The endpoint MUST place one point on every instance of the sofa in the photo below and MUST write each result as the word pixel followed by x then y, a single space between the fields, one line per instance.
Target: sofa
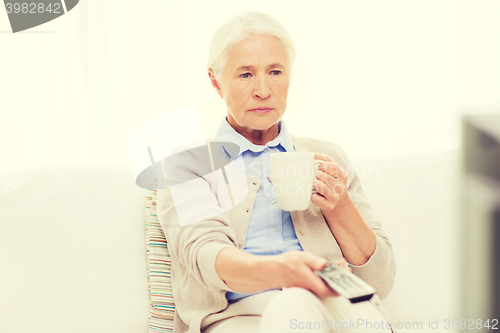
pixel 73 244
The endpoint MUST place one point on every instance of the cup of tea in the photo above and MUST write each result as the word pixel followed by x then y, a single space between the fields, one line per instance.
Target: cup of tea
pixel 292 176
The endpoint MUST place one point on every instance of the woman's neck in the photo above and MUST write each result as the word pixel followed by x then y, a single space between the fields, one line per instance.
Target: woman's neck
pixel 257 137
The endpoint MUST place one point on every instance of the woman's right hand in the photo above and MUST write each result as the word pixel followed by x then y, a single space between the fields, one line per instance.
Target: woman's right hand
pixel 297 269
pixel 248 273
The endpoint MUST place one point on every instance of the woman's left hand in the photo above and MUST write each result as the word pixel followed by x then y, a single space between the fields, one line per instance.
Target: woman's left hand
pixel 331 183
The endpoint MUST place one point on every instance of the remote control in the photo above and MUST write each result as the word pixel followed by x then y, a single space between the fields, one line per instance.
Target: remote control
pixel 346 283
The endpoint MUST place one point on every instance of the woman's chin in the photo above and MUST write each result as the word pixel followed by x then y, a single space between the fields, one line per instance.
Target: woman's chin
pixel 263 122
pixel 263 125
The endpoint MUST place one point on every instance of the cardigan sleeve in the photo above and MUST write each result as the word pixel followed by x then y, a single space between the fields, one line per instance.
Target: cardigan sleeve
pixel 380 269
pixel 195 230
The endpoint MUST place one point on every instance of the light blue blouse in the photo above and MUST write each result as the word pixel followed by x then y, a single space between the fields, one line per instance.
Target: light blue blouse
pixel 270 230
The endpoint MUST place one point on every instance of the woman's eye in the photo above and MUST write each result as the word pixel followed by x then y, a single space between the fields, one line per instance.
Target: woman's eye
pixel 278 72
pixel 243 75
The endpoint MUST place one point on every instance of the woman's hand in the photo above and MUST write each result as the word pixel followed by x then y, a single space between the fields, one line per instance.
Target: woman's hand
pixel 296 269
pixel 331 185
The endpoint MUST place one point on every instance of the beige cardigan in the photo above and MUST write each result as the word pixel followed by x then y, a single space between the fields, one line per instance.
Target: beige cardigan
pixel 197 288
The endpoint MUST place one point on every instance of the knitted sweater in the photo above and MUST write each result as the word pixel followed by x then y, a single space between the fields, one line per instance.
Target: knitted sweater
pixel 197 288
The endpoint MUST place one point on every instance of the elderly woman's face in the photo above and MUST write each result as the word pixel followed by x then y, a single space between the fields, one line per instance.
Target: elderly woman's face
pixel 256 76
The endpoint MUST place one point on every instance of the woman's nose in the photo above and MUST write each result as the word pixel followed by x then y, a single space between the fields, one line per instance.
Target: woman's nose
pixel 261 88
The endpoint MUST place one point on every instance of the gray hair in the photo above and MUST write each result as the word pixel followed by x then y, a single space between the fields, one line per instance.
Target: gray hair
pixel 237 29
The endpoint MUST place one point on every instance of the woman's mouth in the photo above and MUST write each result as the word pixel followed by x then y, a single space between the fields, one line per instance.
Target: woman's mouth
pixel 261 110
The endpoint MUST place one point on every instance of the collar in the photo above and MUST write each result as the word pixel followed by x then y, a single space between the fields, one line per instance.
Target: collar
pixel 226 133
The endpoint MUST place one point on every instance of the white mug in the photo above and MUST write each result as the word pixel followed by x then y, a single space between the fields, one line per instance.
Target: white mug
pixel 292 176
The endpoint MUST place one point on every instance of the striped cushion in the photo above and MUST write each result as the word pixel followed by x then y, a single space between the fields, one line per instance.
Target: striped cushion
pixel 162 306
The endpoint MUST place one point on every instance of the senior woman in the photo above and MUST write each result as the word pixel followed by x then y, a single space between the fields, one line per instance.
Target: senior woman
pixel 250 267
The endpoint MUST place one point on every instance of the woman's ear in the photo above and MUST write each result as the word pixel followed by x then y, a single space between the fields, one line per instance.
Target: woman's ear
pixel 215 83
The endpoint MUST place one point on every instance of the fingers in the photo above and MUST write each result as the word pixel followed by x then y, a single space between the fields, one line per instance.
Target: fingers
pixel 322 157
pixel 329 192
pixel 316 263
pixel 312 281
pixel 326 291
pixel 343 263
pixel 320 288
pixel 299 271
pixel 331 165
pixel 332 177
pixel 334 170
pixel 330 185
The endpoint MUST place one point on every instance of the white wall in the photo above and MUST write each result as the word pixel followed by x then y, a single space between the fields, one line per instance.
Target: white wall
pixel 378 77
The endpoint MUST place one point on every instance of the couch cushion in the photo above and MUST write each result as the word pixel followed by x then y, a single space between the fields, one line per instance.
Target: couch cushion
pixel 72 251
pixel 416 197
pixel 162 306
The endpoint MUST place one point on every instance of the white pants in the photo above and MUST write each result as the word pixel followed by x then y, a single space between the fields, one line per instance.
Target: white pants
pixel 295 310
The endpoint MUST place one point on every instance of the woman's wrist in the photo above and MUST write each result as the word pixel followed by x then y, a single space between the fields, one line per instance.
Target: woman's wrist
pixel 355 238
pixel 265 272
